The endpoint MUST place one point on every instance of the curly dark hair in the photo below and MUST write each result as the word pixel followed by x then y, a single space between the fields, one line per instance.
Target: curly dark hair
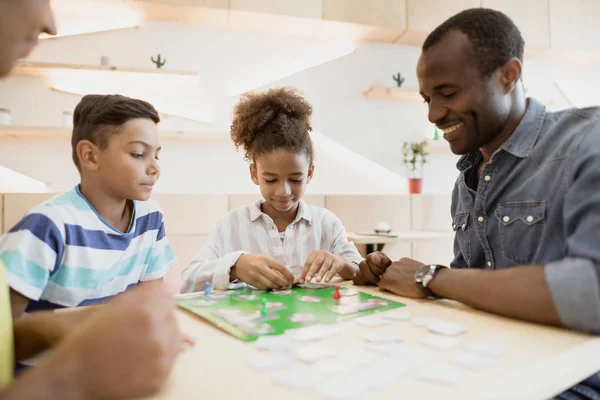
pixel 276 119
pixel 495 37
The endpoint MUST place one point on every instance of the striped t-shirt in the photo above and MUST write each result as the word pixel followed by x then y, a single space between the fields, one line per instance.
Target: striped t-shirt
pixel 64 254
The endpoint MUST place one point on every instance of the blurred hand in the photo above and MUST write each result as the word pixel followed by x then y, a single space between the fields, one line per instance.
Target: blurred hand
pixel 126 348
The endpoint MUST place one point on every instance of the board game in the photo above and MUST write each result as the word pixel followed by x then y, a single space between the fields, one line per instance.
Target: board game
pixel 249 313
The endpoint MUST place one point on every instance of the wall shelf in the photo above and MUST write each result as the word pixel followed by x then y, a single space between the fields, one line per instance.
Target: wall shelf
pixel 395 93
pixel 29 68
pixel 57 132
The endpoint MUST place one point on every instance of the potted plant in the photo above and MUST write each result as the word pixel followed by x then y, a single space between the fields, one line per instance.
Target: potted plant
pixel 414 158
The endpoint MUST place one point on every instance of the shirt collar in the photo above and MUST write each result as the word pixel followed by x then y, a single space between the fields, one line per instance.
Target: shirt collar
pixel 520 143
pixel 303 211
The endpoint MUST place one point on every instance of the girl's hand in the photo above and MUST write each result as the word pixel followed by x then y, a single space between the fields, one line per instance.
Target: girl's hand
pixel 321 265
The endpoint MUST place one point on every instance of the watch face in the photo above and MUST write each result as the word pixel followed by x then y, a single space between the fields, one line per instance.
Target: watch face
pixel 421 273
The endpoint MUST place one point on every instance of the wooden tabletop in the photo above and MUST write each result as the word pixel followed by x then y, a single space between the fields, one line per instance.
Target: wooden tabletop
pixel 540 361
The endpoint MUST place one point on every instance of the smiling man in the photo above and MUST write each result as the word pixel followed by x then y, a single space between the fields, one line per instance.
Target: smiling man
pixel 526 204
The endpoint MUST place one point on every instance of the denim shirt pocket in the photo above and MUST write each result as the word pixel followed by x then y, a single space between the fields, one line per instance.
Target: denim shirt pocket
pixel 460 225
pixel 521 225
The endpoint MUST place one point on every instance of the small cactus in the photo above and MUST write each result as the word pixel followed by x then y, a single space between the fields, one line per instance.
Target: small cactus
pixel 159 62
pixel 399 79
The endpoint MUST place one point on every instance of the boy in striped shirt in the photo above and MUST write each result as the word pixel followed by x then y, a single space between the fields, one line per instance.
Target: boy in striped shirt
pixel 104 236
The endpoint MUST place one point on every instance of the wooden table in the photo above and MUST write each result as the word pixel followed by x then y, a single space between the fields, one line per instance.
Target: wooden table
pixel 540 361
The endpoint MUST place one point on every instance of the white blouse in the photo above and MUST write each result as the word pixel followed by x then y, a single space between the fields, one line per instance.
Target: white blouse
pixel 249 230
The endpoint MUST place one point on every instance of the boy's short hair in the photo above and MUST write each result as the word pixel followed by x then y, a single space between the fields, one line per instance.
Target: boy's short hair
pixel 97 117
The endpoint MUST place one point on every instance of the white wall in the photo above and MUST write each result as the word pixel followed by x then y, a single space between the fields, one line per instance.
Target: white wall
pixel 229 62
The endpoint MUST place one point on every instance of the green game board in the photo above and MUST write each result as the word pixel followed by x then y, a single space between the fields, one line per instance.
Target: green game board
pixel 243 319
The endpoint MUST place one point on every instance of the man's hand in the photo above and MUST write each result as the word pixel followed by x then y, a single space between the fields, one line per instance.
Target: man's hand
pixel 371 269
pixel 399 278
pixel 125 348
pixel 262 272
pixel 321 265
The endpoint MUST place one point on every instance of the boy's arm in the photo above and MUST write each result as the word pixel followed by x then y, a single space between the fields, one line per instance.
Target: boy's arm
pixel 162 259
pixel 34 333
pixel 31 251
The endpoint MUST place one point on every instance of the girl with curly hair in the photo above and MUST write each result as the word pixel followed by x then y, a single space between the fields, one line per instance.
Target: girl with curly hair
pixel 279 240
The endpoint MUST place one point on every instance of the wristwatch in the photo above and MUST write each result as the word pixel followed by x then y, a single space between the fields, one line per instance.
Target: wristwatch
pixel 424 275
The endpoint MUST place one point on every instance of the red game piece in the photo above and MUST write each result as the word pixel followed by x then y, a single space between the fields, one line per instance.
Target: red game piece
pixel 336 293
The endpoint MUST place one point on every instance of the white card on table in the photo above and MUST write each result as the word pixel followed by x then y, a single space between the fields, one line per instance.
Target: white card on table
pixel 371 321
pixel 440 373
pixel 274 343
pixel 356 356
pixel 340 388
pixel 330 366
pixel 299 377
pixel 383 337
pixel 423 321
pixel 484 348
pixel 312 352
pixel 471 360
pixel 447 328
pixel 440 342
pixel 396 315
pixel 270 360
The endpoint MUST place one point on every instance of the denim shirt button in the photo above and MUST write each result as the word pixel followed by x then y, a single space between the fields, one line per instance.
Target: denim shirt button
pixel 480 219
pixel 489 263
pixel 507 218
pixel 487 178
pixel 530 219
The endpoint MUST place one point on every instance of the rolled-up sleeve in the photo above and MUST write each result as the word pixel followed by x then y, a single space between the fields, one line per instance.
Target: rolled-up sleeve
pixel 574 281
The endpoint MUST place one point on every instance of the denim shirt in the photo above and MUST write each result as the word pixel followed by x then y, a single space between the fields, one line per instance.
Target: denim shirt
pixel 538 202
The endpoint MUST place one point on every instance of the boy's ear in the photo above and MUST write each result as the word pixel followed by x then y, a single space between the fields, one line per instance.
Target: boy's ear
pixel 311 170
pixel 254 173
pixel 87 152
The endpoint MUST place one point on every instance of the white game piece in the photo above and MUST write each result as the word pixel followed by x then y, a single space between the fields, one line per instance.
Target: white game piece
pixel 303 318
pixel 447 328
pixel 340 388
pixel 299 377
pixel 383 337
pixel 471 361
pixel 312 352
pixel 270 360
pixel 382 372
pixel 440 342
pixel 310 299
pixel 314 332
pixel 401 351
pixel 274 343
pixel 423 321
pixel 371 321
pixel 484 348
pixel 440 373
pixel 356 356
pixel 331 366
pixel 396 315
